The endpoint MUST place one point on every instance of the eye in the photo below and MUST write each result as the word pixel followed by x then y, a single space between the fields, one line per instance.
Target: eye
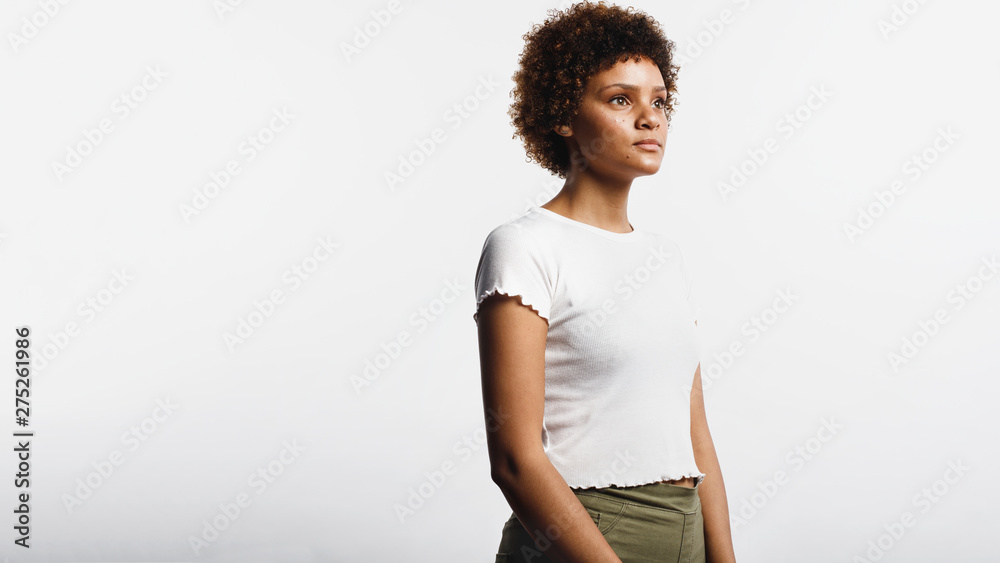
pixel 660 102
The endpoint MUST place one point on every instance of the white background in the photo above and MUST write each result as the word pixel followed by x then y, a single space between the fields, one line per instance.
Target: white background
pixel 362 455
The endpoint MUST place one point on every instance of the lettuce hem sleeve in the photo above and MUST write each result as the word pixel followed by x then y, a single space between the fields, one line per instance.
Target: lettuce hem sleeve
pixel 527 302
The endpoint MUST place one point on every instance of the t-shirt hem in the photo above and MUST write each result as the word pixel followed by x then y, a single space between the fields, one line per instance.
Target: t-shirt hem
pixel 698 478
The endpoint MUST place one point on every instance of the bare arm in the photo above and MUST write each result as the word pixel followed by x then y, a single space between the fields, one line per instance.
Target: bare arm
pixel 712 490
pixel 512 359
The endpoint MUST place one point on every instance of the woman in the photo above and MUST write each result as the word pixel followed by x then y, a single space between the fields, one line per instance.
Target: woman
pixel 588 340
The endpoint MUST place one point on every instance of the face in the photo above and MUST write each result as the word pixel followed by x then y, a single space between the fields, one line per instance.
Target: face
pixel 621 107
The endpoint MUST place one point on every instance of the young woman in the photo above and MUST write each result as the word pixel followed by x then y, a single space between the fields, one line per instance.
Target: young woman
pixel 588 343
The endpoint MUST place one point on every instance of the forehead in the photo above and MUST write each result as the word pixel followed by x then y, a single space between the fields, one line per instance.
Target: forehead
pixel 644 74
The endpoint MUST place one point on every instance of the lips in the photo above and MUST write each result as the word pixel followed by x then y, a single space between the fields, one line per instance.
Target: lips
pixel 648 144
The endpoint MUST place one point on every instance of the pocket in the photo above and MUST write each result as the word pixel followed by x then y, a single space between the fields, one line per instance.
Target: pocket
pixel 605 511
pixel 596 516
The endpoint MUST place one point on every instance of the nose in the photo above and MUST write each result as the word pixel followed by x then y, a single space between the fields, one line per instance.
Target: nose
pixel 651 118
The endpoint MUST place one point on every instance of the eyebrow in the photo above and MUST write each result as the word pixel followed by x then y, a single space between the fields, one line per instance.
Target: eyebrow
pixel 631 87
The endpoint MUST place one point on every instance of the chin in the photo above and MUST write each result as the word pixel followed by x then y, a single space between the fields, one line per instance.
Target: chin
pixel 648 170
pixel 644 166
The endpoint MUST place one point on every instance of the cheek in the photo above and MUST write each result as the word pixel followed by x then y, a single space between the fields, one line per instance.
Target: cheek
pixel 611 130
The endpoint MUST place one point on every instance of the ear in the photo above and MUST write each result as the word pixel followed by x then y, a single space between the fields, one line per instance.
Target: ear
pixel 563 130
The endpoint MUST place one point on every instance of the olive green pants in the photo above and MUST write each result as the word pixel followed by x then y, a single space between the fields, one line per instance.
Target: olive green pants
pixel 655 522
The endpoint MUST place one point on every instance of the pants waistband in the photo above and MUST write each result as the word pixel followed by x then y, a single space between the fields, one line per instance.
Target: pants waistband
pixel 657 495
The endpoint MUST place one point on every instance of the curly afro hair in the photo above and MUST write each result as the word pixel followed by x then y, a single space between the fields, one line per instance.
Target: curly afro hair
pixel 559 57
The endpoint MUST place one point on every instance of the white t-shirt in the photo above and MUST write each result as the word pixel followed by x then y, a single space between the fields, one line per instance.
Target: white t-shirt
pixel 622 345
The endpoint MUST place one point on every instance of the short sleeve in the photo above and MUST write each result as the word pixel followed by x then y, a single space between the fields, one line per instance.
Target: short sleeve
pixel 512 263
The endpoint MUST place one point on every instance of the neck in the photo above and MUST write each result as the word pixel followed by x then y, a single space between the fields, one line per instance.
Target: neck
pixel 601 202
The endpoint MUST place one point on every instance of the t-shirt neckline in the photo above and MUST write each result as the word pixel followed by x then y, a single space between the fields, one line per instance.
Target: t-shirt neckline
pixel 634 234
